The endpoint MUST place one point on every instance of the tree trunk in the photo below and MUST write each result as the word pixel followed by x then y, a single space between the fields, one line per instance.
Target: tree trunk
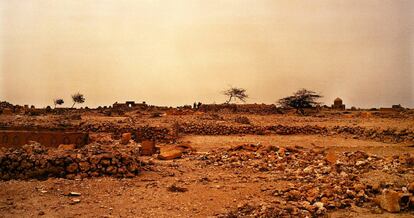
pixel 228 101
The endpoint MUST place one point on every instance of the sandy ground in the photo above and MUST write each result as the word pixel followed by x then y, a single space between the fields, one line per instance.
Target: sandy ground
pixel 211 190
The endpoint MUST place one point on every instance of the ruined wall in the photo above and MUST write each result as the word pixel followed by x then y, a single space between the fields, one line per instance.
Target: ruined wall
pixel 36 161
pixel 241 108
pixel 47 138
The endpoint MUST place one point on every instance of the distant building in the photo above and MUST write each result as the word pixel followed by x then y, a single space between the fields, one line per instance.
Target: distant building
pixel 129 104
pixel 338 104
pixel 397 106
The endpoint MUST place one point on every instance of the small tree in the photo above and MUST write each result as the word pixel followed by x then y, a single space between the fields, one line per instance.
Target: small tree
pixel 58 101
pixel 237 93
pixel 78 98
pixel 301 99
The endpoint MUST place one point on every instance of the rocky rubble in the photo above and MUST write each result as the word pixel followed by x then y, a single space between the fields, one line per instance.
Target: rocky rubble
pixel 388 135
pixel 321 181
pixel 35 161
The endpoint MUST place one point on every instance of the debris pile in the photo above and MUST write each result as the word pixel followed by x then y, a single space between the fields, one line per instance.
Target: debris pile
pixel 320 181
pixel 388 134
pixel 36 161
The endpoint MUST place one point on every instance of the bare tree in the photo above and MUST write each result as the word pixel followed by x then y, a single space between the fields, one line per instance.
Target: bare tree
pixel 301 99
pixel 58 101
pixel 235 93
pixel 78 98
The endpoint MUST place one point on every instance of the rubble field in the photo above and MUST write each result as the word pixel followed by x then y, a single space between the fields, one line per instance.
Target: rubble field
pixel 212 164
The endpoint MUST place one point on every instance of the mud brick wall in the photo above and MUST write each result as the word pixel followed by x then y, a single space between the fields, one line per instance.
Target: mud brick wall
pixel 36 161
pixel 10 138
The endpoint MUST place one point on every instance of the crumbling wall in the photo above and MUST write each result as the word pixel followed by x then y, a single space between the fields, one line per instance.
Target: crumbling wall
pixel 385 135
pixel 36 161
pixel 48 138
pixel 241 108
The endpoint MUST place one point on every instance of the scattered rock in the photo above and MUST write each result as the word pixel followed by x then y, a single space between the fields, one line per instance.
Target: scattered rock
pixel 411 187
pixel 75 201
pixel 74 194
pixel 148 147
pixel 125 138
pixel 331 157
pixel 169 154
pixel 389 200
pixel 67 147
pixel 175 188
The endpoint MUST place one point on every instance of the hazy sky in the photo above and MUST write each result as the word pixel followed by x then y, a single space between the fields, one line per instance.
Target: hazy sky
pixel 177 52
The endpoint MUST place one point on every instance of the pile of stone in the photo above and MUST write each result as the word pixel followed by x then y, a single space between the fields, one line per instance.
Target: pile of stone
pixel 321 180
pixel 388 134
pixel 36 161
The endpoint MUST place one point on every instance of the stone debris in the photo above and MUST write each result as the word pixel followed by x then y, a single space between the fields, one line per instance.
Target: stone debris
pixel 67 147
pixel 389 200
pixel 322 181
pixel 214 128
pixel 148 148
pixel 169 154
pixel 74 194
pixel 176 188
pixel 36 161
pixel 125 138
pixel 75 201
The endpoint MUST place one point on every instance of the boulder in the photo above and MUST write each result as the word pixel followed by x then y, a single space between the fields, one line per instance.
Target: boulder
pixel 148 147
pixel 125 138
pixel 170 154
pixel 389 200
pixel 411 187
pixel 331 157
pixel 72 167
pixel 67 147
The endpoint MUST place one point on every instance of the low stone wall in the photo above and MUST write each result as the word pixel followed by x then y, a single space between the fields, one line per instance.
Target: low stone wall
pixel 242 108
pixel 385 135
pixel 36 161
pixel 47 138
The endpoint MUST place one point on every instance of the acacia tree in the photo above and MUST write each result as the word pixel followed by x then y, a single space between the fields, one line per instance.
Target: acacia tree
pixel 301 99
pixel 58 101
pixel 78 98
pixel 235 93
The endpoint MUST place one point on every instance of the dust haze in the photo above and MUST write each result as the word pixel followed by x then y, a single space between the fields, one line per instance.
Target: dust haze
pixel 178 52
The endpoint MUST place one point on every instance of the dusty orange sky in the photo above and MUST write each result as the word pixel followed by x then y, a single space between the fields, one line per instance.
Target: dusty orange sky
pixel 178 52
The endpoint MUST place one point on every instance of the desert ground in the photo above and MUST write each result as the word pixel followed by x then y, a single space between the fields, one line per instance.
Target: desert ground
pixel 215 164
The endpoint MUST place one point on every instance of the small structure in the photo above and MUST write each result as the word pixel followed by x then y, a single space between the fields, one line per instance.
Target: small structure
pixel 338 104
pixel 397 106
pixel 128 104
